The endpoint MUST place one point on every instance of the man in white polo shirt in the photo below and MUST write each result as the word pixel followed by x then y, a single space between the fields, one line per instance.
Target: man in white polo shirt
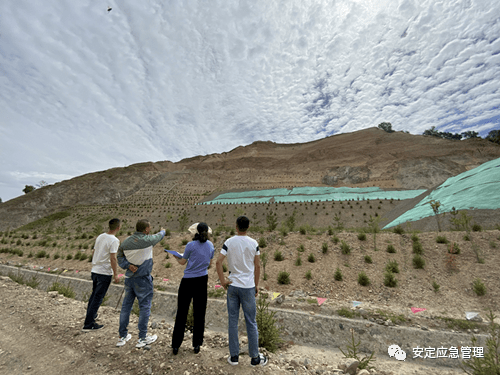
pixel 104 266
pixel 243 260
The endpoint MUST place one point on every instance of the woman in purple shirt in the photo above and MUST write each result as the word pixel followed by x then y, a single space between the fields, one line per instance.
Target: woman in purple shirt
pixel 198 256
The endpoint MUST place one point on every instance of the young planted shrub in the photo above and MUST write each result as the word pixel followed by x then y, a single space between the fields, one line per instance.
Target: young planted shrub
pixel 269 333
pixel 344 248
pixel 398 230
pixel 278 256
pixel 362 236
pixel 309 275
pixel 418 262
pixel 262 243
pixel 335 239
pixel 435 286
pixel 389 280
pixel 414 238
pixel 391 249
pixel 454 248
pixel 477 228
pixel 417 248
pixel 441 239
pixel 368 259
pixel 392 266
pixel 311 258
pixel 338 275
pixel 479 287
pixel 301 248
pixel 284 278
pixel 363 279
pixel 41 254
pixel 324 248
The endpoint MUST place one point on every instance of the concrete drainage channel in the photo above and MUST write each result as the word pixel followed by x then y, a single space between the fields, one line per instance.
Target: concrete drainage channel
pixel 298 326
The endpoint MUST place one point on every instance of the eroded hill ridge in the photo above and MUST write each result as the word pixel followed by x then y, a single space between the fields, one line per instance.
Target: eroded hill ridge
pixel 370 157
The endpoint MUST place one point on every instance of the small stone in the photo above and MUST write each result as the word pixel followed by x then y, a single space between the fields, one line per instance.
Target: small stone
pixel 149 371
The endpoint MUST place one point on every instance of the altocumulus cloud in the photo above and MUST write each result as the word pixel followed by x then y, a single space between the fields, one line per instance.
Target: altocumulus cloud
pixel 84 89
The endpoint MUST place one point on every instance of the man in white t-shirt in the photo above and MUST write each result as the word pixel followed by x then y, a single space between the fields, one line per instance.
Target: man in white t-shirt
pixel 243 258
pixel 104 267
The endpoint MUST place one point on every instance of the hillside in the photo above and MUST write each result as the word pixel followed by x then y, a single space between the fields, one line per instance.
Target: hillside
pixel 369 157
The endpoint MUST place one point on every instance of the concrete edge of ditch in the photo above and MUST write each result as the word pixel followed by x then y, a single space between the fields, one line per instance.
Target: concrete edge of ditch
pixel 298 326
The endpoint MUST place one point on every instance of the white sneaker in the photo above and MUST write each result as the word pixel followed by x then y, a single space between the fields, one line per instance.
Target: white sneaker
pixel 148 340
pixel 123 340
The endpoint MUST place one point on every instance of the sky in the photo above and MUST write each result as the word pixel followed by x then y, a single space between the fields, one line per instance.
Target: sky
pixel 84 89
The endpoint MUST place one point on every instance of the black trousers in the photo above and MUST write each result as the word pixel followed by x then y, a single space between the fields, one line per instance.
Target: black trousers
pixel 100 285
pixel 191 289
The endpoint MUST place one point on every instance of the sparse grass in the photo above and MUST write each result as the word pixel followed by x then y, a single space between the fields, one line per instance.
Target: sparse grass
pixel 346 313
pixel 65 290
pixel 168 265
pixel 301 248
pixel 216 293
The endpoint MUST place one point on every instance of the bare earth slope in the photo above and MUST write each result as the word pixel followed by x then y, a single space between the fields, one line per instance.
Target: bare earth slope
pixel 370 157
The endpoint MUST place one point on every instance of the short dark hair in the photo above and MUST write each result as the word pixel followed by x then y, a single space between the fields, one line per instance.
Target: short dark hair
pixel 114 224
pixel 142 225
pixel 242 223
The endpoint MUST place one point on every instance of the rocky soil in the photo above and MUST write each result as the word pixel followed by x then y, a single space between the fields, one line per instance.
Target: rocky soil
pixel 41 334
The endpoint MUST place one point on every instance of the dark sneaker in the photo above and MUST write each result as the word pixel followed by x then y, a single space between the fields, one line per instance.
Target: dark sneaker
pixel 175 351
pixel 261 360
pixel 196 349
pixel 232 360
pixel 93 327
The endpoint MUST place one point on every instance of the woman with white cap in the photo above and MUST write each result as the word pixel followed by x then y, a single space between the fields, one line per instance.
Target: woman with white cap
pixel 198 255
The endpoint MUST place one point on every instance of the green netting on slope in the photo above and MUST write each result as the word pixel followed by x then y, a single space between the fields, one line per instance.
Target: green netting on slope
pixel 306 194
pixel 478 188
pixel 254 193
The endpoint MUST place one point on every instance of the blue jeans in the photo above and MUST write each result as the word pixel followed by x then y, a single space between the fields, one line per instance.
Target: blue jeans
pixel 142 288
pixel 246 298
pixel 100 285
